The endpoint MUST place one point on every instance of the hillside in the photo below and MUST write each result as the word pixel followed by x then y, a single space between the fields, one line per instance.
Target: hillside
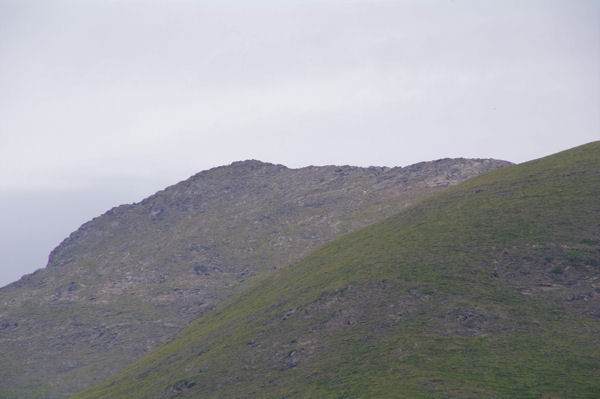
pixel 490 289
pixel 128 280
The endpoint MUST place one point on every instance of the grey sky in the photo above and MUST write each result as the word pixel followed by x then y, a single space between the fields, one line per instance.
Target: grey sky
pixel 103 102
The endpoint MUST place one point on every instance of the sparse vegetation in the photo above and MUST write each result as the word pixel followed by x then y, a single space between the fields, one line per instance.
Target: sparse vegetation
pixel 126 281
pixel 451 298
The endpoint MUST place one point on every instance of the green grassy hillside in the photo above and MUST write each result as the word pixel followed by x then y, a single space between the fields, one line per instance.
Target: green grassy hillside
pixel 490 289
pixel 126 281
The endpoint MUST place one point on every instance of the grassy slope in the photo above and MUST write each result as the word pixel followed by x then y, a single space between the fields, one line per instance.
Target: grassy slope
pixel 129 279
pixel 489 289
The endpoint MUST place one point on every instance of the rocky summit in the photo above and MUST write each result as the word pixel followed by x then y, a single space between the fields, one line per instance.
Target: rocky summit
pixel 489 289
pixel 129 279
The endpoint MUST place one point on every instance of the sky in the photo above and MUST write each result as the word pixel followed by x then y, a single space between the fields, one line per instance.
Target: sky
pixel 106 102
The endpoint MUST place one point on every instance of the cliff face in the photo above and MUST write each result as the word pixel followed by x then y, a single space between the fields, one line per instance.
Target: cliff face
pixel 127 280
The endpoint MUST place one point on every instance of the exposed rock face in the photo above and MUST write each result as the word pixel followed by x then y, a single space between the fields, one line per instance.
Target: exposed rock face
pixel 127 280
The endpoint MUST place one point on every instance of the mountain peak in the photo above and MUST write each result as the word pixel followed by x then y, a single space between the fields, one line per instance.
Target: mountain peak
pixel 488 289
pixel 252 163
pixel 127 280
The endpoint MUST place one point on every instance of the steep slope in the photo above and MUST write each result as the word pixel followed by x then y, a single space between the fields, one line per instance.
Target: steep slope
pixel 490 289
pixel 127 280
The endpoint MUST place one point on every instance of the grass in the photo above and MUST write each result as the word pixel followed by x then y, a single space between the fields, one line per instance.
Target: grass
pixel 152 267
pixel 458 296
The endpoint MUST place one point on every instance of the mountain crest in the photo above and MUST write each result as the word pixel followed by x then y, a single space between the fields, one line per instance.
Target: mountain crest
pixel 127 280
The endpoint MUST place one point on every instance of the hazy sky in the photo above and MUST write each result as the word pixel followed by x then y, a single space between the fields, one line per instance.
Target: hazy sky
pixel 105 102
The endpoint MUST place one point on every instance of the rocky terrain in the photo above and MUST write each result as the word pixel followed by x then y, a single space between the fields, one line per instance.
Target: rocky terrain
pixel 128 280
pixel 489 289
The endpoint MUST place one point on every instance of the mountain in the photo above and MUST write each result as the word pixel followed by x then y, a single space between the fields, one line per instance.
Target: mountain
pixel 489 289
pixel 128 280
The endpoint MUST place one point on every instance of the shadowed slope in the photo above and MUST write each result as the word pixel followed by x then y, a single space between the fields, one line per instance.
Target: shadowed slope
pixel 489 289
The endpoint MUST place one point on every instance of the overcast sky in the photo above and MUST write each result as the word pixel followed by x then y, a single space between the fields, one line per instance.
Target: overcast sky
pixel 105 102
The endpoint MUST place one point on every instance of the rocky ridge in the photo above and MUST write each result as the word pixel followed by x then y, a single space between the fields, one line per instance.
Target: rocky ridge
pixel 488 289
pixel 127 280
